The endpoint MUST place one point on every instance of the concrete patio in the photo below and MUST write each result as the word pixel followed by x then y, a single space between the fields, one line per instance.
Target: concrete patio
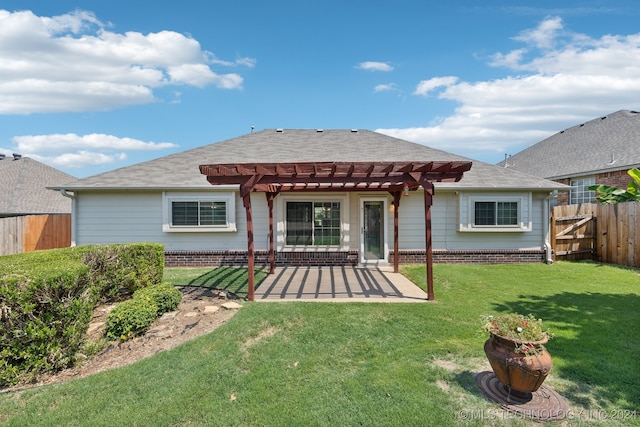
pixel 338 284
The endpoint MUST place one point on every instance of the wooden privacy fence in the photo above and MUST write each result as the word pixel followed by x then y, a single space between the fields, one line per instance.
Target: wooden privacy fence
pixel 608 233
pixel 34 232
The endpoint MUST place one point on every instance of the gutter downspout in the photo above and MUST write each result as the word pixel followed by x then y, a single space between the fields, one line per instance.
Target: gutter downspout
pixel 547 237
pixel 73 214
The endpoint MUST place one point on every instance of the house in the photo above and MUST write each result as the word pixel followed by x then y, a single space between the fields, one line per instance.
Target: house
pixel 32 217
pixel 600 151
pixel 24 184
pixel 332 197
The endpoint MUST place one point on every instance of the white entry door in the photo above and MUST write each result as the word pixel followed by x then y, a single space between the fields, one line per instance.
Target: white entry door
pixel 373 234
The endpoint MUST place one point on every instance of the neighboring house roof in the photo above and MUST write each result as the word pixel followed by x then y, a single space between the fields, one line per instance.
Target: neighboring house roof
pixel 605 144
pixel 181 170
pixel 23 187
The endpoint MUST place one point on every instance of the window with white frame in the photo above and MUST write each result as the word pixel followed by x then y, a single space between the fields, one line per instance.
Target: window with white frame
pixel 580 192
pixel 506 212
pixel 313 223
pixel 495 213
pixel 197 212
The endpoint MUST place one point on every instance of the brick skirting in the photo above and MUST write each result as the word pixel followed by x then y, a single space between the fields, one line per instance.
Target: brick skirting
pixel 443 256
pixel 239 258
pixel 351 258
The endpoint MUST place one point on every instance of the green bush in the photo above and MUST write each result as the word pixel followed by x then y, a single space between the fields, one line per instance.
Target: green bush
pixel 47 299
pixel 131 318
pixel 165 295
pixel 46 303
pixel 119 270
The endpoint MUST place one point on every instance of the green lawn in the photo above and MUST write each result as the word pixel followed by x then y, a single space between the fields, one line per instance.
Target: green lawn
pixel 317 364
pixel 229 279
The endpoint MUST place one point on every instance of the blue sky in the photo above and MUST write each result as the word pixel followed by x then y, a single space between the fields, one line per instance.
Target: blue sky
pixel 91 86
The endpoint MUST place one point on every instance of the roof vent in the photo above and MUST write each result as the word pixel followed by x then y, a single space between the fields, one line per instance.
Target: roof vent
pixel 279 130
pixel 354 130
pixel 17 156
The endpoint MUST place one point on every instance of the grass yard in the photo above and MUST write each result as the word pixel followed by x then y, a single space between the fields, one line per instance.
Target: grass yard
pixel 229 279
pixel 373 364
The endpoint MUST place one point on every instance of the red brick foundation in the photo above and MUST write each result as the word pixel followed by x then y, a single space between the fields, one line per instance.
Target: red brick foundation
pixel 351 258
pixel 239 258
pixel 443 256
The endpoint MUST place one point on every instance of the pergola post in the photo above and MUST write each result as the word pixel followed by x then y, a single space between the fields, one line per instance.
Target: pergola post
pixel 396 245
pixel 246 199
pixel 272 257
pixel 394 177
pixel 428 201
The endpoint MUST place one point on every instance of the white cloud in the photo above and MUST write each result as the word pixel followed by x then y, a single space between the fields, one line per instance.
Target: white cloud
pixel 375 66
pixel 73 62
pixel 385 87
pixel 426 86
pixel 544 35
pixel 569 78
pixel 80 159
pixel 76 151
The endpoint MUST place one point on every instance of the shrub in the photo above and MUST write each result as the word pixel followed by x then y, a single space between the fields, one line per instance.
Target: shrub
pixel 46 302
pixel 119 270
pixel 131 318
pixel 134 316
pixel 47 299
pixel 165 296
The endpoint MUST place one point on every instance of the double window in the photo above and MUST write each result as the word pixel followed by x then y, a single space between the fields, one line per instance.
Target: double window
pixel 313 223
pixel 496 213
pixel 198 213
pixel 507 212
pixel 193 212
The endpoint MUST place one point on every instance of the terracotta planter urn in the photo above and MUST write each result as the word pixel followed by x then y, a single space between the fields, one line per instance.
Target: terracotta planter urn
pixel 521 373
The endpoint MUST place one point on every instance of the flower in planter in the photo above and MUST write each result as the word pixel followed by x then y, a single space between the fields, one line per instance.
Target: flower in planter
pixel 526 331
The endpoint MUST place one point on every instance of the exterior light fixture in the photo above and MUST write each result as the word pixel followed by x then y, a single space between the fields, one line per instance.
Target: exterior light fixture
pixel 405 190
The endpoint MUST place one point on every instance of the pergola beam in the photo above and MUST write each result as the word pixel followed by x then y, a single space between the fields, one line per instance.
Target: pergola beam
pixel 272 178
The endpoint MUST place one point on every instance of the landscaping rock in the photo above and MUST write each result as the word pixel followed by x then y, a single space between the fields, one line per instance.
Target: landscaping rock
pixel 168 316
pixel 231 305
pixel 209 309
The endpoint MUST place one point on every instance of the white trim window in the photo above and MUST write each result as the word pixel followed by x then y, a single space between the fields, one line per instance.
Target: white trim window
pixel 312 222
pixel 495 214
pixel 315 223
pixel 490 213
pixel 198 212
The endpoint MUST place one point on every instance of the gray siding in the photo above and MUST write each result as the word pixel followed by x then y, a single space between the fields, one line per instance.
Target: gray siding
pixel 136 216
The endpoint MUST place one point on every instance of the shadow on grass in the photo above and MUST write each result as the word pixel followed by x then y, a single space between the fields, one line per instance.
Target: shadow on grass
pixel 597 341
pixel 233 280
pixel 467 380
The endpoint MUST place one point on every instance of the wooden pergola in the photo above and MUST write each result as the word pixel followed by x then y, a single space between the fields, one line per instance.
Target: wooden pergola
pixel 394 177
